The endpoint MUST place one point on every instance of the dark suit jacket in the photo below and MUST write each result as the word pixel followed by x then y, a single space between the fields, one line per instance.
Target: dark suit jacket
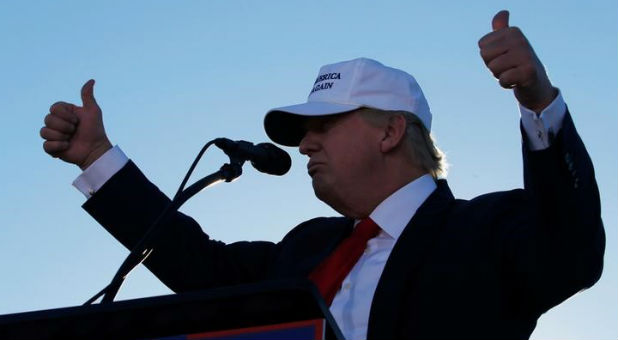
pixel 481 268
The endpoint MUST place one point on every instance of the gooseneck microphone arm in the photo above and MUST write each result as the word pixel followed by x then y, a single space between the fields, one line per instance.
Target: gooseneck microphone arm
pixel 227 173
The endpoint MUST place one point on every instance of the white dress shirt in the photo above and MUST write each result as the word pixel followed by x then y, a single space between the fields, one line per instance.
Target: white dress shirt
pixel 352 304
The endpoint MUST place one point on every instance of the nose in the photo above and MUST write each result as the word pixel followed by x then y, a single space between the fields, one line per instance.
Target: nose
pixel 308 145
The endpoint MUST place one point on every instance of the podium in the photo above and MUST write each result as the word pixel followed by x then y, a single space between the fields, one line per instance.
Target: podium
pixel 267 310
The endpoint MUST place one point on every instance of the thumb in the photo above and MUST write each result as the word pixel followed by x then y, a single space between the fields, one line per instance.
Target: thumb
pixel 500 20
pixel 88 100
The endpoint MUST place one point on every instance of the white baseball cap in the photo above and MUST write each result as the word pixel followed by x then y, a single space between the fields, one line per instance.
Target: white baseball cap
pixel 345 87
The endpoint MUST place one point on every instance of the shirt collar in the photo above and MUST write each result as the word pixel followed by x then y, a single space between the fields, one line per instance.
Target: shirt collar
pixel 394 213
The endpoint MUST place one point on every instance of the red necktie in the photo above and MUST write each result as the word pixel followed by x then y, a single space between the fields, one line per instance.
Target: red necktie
pixel 329 275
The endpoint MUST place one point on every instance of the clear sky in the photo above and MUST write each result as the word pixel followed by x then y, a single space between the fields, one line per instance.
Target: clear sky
pixel 172 75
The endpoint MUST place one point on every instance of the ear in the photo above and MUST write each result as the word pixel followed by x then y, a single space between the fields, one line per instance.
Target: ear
pixel 394 133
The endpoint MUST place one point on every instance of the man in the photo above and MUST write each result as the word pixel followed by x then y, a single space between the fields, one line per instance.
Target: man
pixel 429 266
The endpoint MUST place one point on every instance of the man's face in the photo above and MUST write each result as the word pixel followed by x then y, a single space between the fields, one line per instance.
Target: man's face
pixel 343 151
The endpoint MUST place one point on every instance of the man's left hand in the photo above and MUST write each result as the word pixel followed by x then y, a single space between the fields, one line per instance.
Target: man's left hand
pixel 510 57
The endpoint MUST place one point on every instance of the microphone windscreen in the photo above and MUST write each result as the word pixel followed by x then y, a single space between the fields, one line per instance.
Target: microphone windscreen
pixel 277 161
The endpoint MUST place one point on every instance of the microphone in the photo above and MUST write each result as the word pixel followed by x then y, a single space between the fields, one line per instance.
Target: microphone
pixel 265 157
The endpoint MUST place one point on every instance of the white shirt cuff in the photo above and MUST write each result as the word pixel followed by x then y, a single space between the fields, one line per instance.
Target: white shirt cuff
pixel 99 172
pixel 539 128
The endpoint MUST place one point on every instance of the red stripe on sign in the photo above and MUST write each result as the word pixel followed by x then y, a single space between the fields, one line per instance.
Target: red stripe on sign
pixel 318 325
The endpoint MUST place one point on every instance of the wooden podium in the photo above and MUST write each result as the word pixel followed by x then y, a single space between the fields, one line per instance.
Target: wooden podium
pixel 267 310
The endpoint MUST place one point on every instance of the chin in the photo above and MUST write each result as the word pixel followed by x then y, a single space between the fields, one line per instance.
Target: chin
pixel 322 191
pixel 325 194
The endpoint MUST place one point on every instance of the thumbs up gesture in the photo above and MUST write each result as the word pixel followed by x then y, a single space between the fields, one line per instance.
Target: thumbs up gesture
pixel 76 134
pixel 510 57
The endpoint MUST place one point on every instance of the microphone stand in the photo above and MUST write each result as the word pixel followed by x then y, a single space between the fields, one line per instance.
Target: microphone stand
pixel 228 172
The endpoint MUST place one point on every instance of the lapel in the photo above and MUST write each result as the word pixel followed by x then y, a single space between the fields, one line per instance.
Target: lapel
pixel 408 253
pixel 309 246
pixel 331 235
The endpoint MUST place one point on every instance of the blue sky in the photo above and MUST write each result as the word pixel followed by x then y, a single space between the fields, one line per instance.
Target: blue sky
pixel 173 75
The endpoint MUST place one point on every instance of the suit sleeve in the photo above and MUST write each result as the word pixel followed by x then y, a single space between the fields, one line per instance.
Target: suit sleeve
pixel 184 257
pixel 559 250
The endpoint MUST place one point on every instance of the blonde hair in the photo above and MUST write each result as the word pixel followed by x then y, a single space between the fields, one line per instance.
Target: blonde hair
pixel 423 150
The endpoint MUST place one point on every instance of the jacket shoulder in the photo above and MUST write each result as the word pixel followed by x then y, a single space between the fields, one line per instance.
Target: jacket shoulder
pixel 492 202
pixel 317 227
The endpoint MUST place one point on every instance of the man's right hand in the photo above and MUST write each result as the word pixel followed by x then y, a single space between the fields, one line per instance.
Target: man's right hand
pixel 76 134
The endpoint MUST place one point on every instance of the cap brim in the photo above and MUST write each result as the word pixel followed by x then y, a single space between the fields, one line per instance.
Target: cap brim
pixel 285 125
